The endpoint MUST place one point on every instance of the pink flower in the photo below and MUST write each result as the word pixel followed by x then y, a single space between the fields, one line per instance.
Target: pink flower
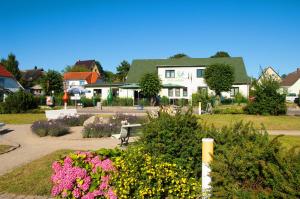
pixel 104 182
pixel 55 191
pixel 76 193
pixel 111 194
pixel 88 196
pixel 56 166
pixel 107 165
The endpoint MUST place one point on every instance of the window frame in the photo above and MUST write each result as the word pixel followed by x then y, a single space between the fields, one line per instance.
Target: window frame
pixel 169 73
pixel 200 75
pixel 185 92
pixel 201 88
pixel 232 94
pixel 177 92
pixel 170 91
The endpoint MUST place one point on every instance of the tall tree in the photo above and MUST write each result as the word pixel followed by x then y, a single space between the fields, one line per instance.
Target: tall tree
pixel 219 77
pixel 220 54
pixel 122 70
pixel 52 81
pixel 12 65
pixel 178 55
pixel 150 86
pixel 109 76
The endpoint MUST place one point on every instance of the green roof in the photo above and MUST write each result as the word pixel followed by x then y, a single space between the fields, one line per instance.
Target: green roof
pixel 172 86
pixel 139 67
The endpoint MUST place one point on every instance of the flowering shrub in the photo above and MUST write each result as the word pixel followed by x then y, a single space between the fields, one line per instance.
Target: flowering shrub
pixel 99 130
pixel 73 120
pixel 53 128
pixel 83 175
pixel 141 175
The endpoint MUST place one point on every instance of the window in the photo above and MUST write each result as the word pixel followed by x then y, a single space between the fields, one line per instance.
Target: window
pixel 170 92
pixel 177 92
pixel 234 91
pixel 202 89
pixel 200 73
pixel 170 74
pixel 81 82
pixel 185 93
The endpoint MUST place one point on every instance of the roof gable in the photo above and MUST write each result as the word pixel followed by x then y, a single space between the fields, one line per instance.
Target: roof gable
pixel 140 67
pixel 4 72
pixel 89 64
pixel 291 78
pixel 90 77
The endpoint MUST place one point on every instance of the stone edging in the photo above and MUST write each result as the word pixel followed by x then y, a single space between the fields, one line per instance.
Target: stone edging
pixel 11 149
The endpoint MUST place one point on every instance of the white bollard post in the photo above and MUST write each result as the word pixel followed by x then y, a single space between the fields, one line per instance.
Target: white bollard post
pixel 207 153
pixel 65 105
pixel 199 108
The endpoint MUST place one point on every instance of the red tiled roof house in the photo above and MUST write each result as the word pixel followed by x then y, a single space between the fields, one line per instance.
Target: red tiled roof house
pixel 8 83
pixel 79 79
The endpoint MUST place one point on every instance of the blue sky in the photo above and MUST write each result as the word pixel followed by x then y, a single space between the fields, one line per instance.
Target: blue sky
pixel 53 34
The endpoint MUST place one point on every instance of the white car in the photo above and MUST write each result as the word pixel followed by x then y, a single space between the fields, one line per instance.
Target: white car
pixel 291 97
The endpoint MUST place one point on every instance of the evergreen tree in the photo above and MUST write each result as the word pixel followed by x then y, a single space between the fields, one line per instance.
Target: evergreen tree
pixel 122 70
pixel 12 65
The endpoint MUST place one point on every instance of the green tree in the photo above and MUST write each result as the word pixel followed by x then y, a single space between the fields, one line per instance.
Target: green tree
pixel 267 98
pixel 178 55
pixel 52 81
pixel 219 77
pixel 108 76
pixel 12 65
pixel 150 86
pixel 122 70
pixel 220 54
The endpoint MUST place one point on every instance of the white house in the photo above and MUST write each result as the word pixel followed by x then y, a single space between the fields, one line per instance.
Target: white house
pixel 269 72
pixel 79 79
pixel 291 83
pixel 180 78
pixel 7 83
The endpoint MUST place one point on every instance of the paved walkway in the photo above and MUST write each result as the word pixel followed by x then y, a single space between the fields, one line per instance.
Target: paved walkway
pixel 33 147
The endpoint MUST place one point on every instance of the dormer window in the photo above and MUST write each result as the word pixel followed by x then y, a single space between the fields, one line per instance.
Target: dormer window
pixel 200 73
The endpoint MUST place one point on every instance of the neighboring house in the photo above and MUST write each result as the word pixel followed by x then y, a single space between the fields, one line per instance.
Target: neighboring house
pixel 8 83
pixel 88 64
pixel 79 79
pixel 291 83
pixel 30 80
pixel 180 77
pixel 269 72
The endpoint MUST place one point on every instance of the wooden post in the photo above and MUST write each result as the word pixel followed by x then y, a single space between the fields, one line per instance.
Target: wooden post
pixel 207 156
pixel 199 108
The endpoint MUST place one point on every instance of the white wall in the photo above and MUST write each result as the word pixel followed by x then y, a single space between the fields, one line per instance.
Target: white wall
pixel 187 77
pixel 295 88
pixel 71 83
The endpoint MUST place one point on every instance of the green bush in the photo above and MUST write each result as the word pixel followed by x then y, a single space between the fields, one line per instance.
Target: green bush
pixel 58 129
pixel 86 102
pixel 99 130
pixel 267 99
pixel 141 175
pixel 18 102
pixel 239 98
pixel 164 101
pixel 202 97
pixel 248 164
pixel 40 100
pixel 176 139
pixel 117 101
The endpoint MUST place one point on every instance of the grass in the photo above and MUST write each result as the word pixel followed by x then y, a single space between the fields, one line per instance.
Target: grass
pixel 32 178
pixel 270 122
pixel 4 148
pixel 288 141
pixel 21 118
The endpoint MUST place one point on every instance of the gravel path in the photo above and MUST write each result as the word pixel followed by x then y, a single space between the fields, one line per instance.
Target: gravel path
pixel 33 147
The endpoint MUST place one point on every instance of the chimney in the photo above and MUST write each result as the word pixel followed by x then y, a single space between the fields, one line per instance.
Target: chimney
pixel 298 70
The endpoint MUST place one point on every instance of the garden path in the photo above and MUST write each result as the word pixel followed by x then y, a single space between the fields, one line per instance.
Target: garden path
pixel 33 147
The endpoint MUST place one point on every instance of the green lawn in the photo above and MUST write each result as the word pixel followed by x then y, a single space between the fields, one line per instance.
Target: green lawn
pixel 4 148
pixel 32 178
pixel 270 122
pixel 21 118
pixel 289 141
